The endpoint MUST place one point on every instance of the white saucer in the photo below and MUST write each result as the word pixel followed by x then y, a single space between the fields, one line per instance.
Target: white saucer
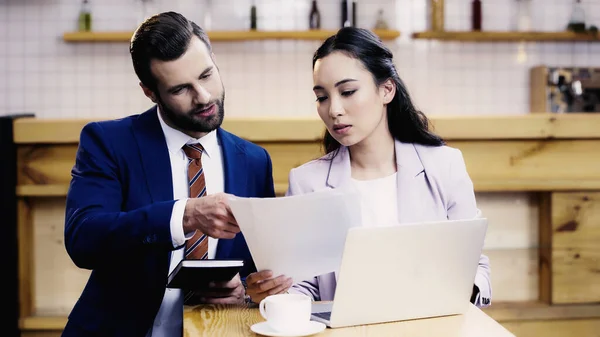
pixel 311 328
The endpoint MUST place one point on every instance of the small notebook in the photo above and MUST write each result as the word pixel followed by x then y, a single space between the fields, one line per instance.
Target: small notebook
pixel 197 274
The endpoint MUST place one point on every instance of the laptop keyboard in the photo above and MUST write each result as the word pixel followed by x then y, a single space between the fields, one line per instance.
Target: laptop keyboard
pixel 323 315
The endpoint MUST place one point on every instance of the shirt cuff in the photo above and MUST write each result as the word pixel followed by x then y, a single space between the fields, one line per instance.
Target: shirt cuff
pixel 177 234
pixel 484 298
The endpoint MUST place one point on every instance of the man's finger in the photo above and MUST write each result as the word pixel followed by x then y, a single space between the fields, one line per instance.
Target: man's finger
pixel 229 212
pixel 219 234
pixel 271 283
pixel 258 276
pixel 230 227
pixel 231 219
pixel 279 289
pixel 223 223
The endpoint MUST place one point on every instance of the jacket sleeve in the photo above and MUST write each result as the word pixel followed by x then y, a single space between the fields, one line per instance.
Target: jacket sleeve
pixel 309 288
pixel 97 231
pixel 462 205
pixel 269 190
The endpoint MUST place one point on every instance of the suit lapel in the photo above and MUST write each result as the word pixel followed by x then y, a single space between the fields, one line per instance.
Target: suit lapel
pixel 235 170
pixel 154 155
pixel 410 189
pixel 339 169
pixel 409 186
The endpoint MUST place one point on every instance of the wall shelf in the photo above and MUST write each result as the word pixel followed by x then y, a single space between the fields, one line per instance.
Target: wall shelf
pixel 507 36
pixel 125 36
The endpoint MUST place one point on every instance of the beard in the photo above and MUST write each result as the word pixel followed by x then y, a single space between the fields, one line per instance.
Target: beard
pixel 191 120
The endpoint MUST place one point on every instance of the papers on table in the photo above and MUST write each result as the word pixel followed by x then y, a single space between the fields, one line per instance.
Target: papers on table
pixel 299 236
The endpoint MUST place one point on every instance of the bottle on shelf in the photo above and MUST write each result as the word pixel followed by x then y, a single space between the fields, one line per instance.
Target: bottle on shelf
pixel 577 20
pixel 314 20
pixel 85 17
pixel 206 16
pixel 380 22
pixel 476 15
pixel 522 16
pixel 345 18
pixel 435 15
pixel 253 16
pixel 354 9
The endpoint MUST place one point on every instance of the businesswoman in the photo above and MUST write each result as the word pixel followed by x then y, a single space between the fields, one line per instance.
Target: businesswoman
pixel 380 144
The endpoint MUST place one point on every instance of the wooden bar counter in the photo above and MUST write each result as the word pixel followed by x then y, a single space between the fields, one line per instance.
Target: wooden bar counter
pixel 233 321
pixel 537 179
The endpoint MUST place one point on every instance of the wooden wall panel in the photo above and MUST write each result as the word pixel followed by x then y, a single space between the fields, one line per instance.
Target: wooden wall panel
pixel 268 128
pixel 538 87
pixel 510 245
pixel 545 251
pixel 576 252
pixel 510 239
pixel 27 275
pixel 532 165
pixel 514 274
pixel 45 164
pixel 286 156
pixel 36 324
pixel 58 282
pixel 493 165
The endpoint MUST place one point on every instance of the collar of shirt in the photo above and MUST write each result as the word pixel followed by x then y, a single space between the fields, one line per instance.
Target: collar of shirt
pixel 176 139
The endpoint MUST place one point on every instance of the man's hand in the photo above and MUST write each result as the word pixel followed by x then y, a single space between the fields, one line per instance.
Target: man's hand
pixel 230 292
pixel 262 284
pixel 211 215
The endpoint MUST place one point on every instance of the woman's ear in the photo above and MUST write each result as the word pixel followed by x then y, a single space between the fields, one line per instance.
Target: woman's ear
pixel 389 90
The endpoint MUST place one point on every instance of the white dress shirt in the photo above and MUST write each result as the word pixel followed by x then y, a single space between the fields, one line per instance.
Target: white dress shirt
pixel 169 320
pixel 379 201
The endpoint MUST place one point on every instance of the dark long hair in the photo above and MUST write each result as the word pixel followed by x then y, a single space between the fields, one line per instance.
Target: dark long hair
pixel 165 37
pixel 405 122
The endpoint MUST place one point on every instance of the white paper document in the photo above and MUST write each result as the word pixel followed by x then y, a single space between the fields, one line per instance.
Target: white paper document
pixel 298 236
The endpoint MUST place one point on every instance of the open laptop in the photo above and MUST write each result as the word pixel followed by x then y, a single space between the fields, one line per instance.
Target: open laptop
pixel 405 272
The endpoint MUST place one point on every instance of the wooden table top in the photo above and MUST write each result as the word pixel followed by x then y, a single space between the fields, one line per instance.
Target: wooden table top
pixel 228 320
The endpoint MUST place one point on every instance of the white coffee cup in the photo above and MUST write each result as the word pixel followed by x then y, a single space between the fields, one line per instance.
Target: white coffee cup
pixel 286 313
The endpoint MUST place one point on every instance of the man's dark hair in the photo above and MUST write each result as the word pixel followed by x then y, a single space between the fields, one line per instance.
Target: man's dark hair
pixel 165 37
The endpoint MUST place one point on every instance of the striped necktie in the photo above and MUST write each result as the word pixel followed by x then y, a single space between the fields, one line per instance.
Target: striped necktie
pixel 196 248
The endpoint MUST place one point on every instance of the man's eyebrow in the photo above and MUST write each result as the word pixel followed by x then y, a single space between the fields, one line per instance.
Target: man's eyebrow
pixel 179 86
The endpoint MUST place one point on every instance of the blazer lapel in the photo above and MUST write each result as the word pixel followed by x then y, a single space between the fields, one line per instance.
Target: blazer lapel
pixel 339 169
pixel 410 189
pixel 154 155
pixel 235 167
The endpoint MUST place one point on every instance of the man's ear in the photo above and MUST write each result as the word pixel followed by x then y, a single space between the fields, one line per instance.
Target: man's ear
pixel 149 93
pixel 389 90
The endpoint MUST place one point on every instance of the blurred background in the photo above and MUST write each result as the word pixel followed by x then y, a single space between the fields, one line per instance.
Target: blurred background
pixel 462 60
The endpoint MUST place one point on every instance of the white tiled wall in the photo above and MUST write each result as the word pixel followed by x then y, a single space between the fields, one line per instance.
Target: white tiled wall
pixel 40 73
